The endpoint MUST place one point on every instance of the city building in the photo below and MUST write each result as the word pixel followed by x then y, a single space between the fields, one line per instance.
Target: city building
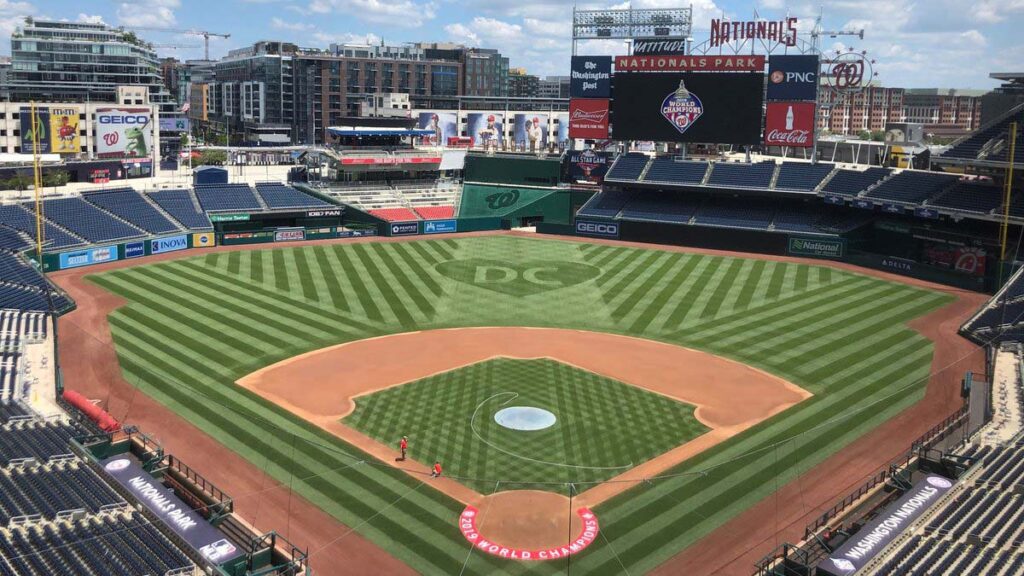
pixel 485 71
pixel 1003 99
pixel 943 112
pixel 81 62
pixel 553 87
pixel 521 84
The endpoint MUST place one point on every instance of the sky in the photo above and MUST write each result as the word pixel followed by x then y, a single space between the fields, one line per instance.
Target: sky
pixel 915 43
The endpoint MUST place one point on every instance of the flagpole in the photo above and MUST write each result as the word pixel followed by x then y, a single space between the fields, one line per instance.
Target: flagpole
pixel 37 182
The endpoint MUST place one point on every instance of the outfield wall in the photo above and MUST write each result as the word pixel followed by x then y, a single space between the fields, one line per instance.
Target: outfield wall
pixel 516 169
pixel 78 257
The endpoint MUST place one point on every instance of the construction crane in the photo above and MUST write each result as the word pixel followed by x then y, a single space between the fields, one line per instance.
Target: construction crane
pixel 204 33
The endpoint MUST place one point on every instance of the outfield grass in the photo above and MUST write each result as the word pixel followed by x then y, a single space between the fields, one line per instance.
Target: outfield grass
pixel 194 326
pixel 603 427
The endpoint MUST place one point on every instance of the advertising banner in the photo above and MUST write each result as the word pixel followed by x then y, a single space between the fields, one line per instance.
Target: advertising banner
pixel 170 244
pixel 793 77
pixel 443 125
pixel 963 259
pixel 929 213
pixel 485 129
pixel 64 138
pixel 292 235
pixel 439 226
pixel 405 228
pixel 531 130
pixel 229 217
pixel 323 213
pixel 161 501
pixel 867 542
pixel 817 247
pixel 134 250
pixel 597 229
pixel 789 124
pixel 389 160
pixel 720 63
pixel 658 46
pixel 174 124
pixel 688 107
pixel 87 257
pixel 42 128
pixel 588 119
pixel 590 77
pixel 123 132
pixel 204 240
pixel 563 128
pixel 589 166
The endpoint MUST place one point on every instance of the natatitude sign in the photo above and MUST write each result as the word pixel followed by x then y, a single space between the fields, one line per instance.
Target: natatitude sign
pixel 588 533
pixel 721 63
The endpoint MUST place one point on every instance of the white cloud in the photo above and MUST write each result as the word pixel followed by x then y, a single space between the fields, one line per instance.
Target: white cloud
pixel 326 38
pixel 90 18
pixel 280 24
pixel 398 13
pixel 12 15
pixel 149 13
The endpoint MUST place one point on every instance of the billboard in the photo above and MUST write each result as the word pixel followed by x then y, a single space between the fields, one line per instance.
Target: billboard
pixel 563 128
pixel 688 107
pixel 42 130
pixel 439 226
pixel 169 244
pixel 963 259
pixel 789 124
pixel 204 240
pixel 64 137
pixel 658 46
pixel 590 77
pixel 135 250
pixel 530 130
pixel 818 247
pixel 719 63
pixel 123 132
pixel 597 229
pixel 793 77
pixel 174 124
pixel 87 257
pixel 588 119
pixel 405 228
pixel 442 124
pixel 485 129
pixel 867 542
pixel 589 166
pixel 290 235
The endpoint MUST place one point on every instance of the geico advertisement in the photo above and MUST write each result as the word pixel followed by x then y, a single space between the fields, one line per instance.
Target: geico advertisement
pixel 124 132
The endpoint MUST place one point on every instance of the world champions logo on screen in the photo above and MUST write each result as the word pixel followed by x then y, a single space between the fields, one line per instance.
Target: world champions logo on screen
pixel 682 108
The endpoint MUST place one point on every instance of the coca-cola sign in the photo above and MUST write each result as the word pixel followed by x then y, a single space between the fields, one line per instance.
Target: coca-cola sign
pixel 789 124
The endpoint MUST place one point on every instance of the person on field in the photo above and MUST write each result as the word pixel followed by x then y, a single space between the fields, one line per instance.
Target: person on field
pixel 403 445
pixel 436 472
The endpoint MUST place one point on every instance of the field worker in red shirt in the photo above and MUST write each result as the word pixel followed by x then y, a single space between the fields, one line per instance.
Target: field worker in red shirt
pixel 436 473
pixel 403 444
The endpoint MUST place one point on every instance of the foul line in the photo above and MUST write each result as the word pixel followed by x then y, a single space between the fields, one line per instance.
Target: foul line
pixel 472 426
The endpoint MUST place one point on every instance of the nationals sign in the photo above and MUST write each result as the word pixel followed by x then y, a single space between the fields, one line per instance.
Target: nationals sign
pixel 681 108
pixel 588 118
pixel 789 124
pixel 720 63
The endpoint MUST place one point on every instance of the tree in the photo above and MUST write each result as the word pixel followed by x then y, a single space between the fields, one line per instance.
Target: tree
pixel 18 182
pixel 864 135
pixel 56 178
pixel 878 135
pixel 184 140
pixel 211 158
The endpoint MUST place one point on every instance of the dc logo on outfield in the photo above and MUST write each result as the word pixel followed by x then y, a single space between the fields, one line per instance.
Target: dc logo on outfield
pixel 518 279
pixel 502 199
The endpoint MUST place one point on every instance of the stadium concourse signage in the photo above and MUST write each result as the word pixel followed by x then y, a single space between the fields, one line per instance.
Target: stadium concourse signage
pixel 176 515
pixel 817 247
pixel 597 229
pixel 405 228
pixel 589 529
pixel 440 226
pixel 860 549
pixel 720 63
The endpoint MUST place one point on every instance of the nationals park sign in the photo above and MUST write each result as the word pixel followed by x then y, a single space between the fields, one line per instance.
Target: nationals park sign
pixel 589 530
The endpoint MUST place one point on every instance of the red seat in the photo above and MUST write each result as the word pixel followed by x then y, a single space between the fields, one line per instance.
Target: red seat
pixel 395 214
pixel 436 212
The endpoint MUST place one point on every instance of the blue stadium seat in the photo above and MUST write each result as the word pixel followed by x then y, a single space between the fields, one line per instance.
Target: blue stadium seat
pixel 669 170
pixel 605 204
pixel 912 186
pixel 801 176
pixel 853 182
pixel 183 207
pixel 11 239
pixel 129 205
pixel 628 167
pixel 88 221
pixel 752 213
pixel 21 219
pixel 742 174
pixel 277 195
pixel 661 207
pixel 970 197
pixel 214 197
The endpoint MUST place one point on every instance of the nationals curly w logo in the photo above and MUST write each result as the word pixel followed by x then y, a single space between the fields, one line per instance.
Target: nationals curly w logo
pixel 501 200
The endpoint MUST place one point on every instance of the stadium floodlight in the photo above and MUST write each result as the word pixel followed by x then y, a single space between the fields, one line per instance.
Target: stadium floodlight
pixel 628 23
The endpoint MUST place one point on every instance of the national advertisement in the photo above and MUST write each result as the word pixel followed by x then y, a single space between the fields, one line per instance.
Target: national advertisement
pixel 87 257
pixel 531 130
pixel 64 138
pixel 817 247
pixel 485 129
pixel 405 228
pixel 443 125
pixel 789 124
pixel 597 229
pixel 588 119
pixel 40 132
pixel 440 226
pixel 688 107
pixel 124 133
pixel 169 244
pixel 590 77
pixel 793 77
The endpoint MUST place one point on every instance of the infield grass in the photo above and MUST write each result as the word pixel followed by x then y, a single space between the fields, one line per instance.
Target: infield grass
pixel 194 326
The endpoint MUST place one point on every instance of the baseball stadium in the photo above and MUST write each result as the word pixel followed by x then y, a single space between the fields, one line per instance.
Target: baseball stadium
pixel 684 343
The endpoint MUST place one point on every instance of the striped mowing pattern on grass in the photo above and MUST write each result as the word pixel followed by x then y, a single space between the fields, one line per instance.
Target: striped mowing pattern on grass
pixel 192 327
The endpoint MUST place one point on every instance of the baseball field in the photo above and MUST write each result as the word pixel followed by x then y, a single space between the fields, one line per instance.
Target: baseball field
pixel 194 328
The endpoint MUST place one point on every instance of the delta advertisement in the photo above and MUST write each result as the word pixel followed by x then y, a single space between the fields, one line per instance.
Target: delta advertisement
pixel 589 166
pixel 178 516
pixel 789 124
pixel 531 130
pixel 688 107
pixel 588 119
pixel 590 77
pixel 123 132
pixel 442 124
pixel 40 132
pixel 864 545
pixel 793 77
pixel 485 129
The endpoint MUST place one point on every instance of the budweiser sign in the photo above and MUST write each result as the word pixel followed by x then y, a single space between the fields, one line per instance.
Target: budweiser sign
pixel 789 124
pixel 588 118
pixel 721 63
pixel 779 31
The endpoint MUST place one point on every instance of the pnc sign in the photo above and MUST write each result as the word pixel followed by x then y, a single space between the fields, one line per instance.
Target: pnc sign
pixel 518 279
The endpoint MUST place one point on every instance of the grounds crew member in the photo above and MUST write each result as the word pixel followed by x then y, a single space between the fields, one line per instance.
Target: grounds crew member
pixel 436 472
pixel 403 444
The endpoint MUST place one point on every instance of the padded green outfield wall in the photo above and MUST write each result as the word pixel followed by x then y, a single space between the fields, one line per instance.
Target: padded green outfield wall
pixel 515 203
pixel 525 170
